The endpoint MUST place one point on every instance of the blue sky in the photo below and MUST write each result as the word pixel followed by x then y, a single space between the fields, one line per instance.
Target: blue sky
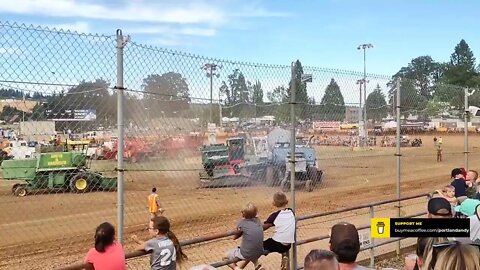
pixel 320 33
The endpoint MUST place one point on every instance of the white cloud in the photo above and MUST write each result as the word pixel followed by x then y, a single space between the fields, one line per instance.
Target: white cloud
pixel 181 12
pixel 261 13
pixel 138 12
pixel 205 32
pixel 167 41
pixel 188 31
pixel 80 27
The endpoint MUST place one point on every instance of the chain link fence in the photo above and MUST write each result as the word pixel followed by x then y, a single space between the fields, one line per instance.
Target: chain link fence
pixel 209 134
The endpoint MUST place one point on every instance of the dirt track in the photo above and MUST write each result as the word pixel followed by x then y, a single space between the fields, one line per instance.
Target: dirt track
pixel 43 231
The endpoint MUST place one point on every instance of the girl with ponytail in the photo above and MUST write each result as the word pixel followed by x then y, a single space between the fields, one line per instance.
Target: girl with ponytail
pixel 164 246
pixel 107 254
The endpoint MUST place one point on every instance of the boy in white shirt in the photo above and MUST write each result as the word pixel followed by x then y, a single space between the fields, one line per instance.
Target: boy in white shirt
pixel 284 222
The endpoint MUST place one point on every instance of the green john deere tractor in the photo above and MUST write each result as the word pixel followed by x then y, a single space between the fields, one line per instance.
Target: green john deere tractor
pixel 55 171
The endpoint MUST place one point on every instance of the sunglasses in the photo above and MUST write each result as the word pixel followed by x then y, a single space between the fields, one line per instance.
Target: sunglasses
pixel 441 246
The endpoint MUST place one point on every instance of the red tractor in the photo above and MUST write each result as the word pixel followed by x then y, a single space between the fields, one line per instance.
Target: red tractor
pixel 134 151
pixel 179 146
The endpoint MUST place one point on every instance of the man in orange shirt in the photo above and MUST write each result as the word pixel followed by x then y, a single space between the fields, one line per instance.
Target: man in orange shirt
pixel 154 204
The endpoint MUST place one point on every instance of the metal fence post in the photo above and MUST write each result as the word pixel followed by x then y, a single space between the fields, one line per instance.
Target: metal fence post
pixel 293 85
pixel 397 153
pixel 466 116
pixel 120 126
pixel 372 244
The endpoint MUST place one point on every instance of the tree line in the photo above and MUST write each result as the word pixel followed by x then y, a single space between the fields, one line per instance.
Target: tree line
pixel 428 88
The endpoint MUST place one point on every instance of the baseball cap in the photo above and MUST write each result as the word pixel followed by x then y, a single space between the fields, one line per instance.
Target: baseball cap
pixel 439 206
pixel 457 171
pixel 344 236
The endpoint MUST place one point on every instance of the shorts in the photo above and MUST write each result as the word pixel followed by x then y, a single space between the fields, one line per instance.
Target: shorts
pixel 235 254
pixel 271 245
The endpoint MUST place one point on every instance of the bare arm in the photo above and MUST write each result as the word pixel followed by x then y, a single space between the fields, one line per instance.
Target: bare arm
pixel 160 209
pixel 237 234
pixel 141 244
pixel 267 226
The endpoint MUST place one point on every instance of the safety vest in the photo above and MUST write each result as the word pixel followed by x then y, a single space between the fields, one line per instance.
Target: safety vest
pixel 152 203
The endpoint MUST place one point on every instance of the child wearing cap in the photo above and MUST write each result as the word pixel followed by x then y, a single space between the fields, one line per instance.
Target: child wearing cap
pixel 345 243
pixel 459 182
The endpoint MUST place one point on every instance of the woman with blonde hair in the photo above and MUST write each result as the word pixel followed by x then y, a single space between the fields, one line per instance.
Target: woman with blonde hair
pixel 453 255
pixel 426 256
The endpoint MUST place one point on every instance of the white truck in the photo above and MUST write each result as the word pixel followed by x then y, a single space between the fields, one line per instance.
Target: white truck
pixel 21 149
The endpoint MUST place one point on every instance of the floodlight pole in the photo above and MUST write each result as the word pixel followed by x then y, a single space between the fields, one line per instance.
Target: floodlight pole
pixel 364 47
pixel 466 120
pixel 210 68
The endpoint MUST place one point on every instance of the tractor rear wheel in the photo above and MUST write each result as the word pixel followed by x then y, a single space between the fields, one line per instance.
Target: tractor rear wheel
pixel 80 183
pixel 21 190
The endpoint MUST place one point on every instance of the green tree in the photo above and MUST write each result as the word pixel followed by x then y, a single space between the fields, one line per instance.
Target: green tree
pixel 86 95
pixel 424 72
pixel 236 90
pixel 167 93
pixel 436 108
pixel 257 93
pixel 38 112
pixel 237 93
pixel 332 104
pixel 278 95
pixel 411 101
pixel 460 72
pixel 301 94
pixel 376 105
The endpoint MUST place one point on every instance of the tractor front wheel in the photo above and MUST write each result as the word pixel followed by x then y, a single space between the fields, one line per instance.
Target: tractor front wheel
pixel 273 176
pixel 315 175
pixel 309 185
pixel 21 190
pixel 14 187
pixel 80 183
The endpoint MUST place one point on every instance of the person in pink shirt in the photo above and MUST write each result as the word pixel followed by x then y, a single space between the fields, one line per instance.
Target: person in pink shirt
pixel 107 254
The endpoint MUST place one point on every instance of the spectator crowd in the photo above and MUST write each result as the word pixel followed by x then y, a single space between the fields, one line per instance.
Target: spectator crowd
pixel 459 199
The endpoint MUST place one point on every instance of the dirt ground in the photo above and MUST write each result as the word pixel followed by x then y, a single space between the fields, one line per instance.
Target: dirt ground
pixel 45 231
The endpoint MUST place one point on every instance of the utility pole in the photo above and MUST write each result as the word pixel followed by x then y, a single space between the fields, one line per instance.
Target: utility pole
pixel 360 120
pixel 466 119
pixel 211 69
pixel 220 109
pixel 364 47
